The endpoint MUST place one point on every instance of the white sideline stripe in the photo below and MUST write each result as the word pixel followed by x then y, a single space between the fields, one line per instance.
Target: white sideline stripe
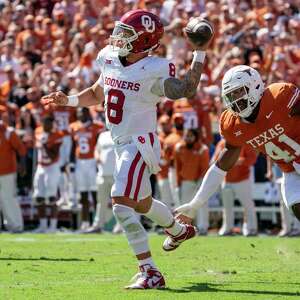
pixel 293 99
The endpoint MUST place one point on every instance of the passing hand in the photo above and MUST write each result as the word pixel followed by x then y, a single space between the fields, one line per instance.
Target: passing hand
pixel 58 98
pixel 185 213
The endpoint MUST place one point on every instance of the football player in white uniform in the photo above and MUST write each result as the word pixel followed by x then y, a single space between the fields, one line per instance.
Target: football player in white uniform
pixel 132 83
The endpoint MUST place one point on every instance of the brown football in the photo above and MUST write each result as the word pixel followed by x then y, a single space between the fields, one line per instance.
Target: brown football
pixel 199 31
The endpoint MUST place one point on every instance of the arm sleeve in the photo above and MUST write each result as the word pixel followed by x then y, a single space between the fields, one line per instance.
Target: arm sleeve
pixel 211 181
pixel 17 144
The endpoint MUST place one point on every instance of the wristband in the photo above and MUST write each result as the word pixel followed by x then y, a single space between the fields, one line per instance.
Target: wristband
pixel 199 56
pixel 73 100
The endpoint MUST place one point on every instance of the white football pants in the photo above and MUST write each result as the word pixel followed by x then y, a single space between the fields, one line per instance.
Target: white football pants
pixel 9 205
pixel 243 192
pixel 165 192
pixel 188 190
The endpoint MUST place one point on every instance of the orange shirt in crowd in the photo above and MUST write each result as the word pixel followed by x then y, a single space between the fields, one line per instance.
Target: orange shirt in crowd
pixel 36 109
pixel 64 116
pixel 10 144
pixel 164 162
pixel 50 140
pixel 5 89
pixel 195 117
pixel 241 171
pixel 85 138
pixel 273 133
pixel 29 34
pixel 191 164
pixel 169 144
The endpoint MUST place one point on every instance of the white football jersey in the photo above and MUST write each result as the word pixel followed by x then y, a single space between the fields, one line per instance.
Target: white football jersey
pixel 130 106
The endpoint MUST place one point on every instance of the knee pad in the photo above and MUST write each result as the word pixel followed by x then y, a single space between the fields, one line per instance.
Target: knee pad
pixel 131 225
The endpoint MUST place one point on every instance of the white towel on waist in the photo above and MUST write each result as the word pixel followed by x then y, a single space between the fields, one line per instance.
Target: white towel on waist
pixel 143 143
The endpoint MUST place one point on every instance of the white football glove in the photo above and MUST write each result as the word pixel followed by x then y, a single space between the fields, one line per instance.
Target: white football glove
pixel 187 210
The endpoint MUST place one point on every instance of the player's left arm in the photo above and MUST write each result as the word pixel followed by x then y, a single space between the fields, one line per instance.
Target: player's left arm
pixel 175 88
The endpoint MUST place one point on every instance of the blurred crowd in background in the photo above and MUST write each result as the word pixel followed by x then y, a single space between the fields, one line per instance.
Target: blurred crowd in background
pixel 49 45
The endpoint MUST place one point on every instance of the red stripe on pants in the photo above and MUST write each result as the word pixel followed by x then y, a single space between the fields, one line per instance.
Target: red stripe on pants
pixel 151 138
pixel 139 180
pixel 131 173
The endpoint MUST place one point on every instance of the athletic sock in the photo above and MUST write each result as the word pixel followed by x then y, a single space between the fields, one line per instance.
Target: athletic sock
pixel 147 261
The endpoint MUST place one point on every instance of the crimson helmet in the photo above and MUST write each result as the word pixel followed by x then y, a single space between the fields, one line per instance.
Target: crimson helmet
pixel 137 31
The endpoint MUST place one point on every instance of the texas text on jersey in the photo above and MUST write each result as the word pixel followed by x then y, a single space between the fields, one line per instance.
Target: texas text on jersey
pixel 273 133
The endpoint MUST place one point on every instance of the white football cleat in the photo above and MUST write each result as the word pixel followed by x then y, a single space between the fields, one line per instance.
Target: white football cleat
pixel 172 242
pixel 223 231
pixel 148 278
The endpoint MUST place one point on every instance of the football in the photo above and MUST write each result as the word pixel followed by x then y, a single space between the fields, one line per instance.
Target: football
pixel 199 31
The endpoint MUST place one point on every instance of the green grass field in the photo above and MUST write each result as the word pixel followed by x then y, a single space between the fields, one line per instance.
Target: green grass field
pixel 98 266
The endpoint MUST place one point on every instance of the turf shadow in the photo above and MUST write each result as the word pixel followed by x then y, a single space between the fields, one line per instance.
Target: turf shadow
pixel 40 258
pixel 211 287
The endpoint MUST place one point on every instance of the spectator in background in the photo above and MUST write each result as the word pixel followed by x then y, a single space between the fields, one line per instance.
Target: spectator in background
pixel 10 147
pixel 85 133
pixel 169 149
pixel 7 86
pixel 7 58
pixel 238 185
pixel 46 178
pixel 165 128
pixel 18 94
pixel 105 157
pixel 191 161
